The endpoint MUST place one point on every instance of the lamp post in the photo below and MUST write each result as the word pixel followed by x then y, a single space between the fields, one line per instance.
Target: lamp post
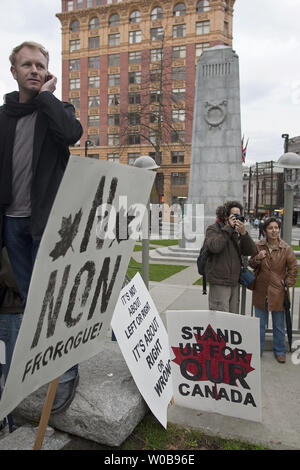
pixel 288 160
pixel 147 163
pixel 87 143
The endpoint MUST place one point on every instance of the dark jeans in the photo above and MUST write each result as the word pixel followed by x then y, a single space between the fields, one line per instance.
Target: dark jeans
pixel 22 250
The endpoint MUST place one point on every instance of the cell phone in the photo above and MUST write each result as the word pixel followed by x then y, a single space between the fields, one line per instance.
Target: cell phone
pixel 48 77
pixel 239 217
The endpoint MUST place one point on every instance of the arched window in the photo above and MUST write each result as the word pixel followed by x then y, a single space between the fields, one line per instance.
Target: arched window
pixel 179 9
pixel 156 13
pixel 114 20
pixel 202 5
pixel 135 17
pixel 74 26
pixel 94 23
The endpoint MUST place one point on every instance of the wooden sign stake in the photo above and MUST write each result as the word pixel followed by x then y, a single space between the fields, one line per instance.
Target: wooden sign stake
pixel 45 414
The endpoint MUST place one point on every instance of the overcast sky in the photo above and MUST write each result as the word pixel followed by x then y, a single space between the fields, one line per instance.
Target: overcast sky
pixel 266 37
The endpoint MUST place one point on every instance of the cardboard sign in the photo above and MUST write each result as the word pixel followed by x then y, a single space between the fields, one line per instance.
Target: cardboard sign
pixel 78 273
pixel 143 341
pixel 216 362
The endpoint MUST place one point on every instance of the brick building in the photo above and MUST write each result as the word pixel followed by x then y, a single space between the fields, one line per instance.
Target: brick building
pixel 129 69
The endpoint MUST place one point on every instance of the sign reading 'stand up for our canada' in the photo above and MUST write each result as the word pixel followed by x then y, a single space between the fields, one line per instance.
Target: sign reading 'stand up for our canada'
pixel 215 362
pixel 78 273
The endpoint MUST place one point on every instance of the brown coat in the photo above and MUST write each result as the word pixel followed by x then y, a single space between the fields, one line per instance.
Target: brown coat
pixel 278 266
pixel 224 263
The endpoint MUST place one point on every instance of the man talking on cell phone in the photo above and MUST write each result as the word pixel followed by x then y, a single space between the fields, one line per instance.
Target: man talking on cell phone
pixel 226 240
pixel 36 130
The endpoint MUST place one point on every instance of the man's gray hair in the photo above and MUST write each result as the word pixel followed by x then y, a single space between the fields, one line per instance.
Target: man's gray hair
pixel 32 45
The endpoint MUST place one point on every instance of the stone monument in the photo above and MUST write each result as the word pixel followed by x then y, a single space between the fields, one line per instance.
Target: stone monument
pixel 216 163
pixel 216 159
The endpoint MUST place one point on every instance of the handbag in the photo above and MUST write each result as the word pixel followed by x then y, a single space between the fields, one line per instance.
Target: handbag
pixel 247 278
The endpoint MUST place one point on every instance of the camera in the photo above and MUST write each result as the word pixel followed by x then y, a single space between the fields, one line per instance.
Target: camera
pixel 239 217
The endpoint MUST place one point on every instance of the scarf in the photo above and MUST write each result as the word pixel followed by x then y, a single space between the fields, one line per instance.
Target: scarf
pixel 11 111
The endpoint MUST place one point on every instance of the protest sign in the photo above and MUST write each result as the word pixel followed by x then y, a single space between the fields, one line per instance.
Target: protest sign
pixel 78 273
pixel 216 362
pixel 143 341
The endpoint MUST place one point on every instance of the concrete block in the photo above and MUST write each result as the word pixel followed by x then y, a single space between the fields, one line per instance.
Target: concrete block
pixel 24 437
pixel 107 405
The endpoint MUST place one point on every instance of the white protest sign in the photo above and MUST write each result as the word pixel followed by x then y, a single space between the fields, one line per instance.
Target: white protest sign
pixel 216 362
pixel 78 273
pixel 143 341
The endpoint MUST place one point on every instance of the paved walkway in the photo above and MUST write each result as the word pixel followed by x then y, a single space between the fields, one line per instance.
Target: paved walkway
pixel 280 426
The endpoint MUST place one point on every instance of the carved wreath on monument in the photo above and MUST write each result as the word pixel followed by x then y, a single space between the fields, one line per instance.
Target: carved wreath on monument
pixel 215 114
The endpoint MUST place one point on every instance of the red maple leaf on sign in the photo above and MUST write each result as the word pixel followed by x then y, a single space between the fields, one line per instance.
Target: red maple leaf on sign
pixel 209 358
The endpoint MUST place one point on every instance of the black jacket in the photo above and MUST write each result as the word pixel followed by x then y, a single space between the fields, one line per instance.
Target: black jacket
pixel 56 128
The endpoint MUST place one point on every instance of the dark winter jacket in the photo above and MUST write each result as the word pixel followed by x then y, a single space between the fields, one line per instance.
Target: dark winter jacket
pixel 10 297
pixel 56 128
pixel 225 246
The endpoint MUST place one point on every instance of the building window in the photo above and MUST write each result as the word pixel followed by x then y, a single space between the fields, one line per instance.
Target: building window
pixel 132 158
pixel 74 45
pixel 155 96
pixel 178 94
pixel 89 3
pixel 156 34
pixel 74 65
pixel 178 178
pixel 113 139
pixel 177 157
pixel 178 115
pixel 94 82
pixel 94 139
pixel 226 28
pixel 134 119
pixel 134 139
pixel 178 136
pixel 74 26
pixel 113 100
pixel 155 116
pixel 135 78
pixel 178 73
pixel 179 30
pixel 93 155
pixel 94 101
pixel 75 102
pixel 94 42
pixel 156 13
pixel 114 79
pixel 94 62
pixel 179 9
pixel 79 4
pixel 99 2
pixel 113 157
pixel 114 60
pixel 179 52
pixel 135 17
pixel 135 37
pixel 156 55
pixel 93 121
pixel 202 27
pixel 114 39
pixel 201 47
pixel 75 84
pixel 113 119
pixel 135 57
pixel 134 98
pixel 70 5
pixel 94 23
pixel 155 75
pixel 114 20
pixel 152 137
pixel 202 5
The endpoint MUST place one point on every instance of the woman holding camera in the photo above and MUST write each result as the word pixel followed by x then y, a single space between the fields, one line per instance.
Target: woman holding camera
pixel 275 265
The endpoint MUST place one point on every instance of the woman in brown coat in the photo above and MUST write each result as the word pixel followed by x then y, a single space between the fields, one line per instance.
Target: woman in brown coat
pixel 276 265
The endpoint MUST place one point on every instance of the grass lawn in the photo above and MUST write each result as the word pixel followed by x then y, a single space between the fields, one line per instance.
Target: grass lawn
pixel 157 272
pixel 165 242
pixel 150 435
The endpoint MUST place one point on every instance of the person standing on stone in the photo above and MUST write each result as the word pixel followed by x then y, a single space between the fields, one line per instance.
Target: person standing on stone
pixel 36 130
pixel 276 265
pixel 226 240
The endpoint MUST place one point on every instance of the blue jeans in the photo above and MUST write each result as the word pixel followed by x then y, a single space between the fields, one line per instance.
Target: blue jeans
pixel 278 330
pixel 22 250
